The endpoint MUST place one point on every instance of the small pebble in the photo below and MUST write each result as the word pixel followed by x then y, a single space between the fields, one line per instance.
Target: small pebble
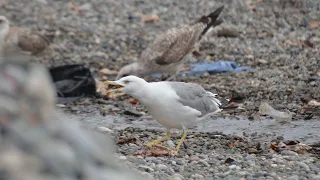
pixel 146 168
pixel 274 165
pixel 171 144
pixel 303 165
pixel 104 129
pixel 122 157
pixel 162 166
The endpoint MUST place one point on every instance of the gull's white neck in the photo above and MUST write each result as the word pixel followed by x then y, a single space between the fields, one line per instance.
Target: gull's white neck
pixel 144 94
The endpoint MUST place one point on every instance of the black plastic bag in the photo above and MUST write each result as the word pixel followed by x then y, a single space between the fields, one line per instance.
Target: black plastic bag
pixel 73 82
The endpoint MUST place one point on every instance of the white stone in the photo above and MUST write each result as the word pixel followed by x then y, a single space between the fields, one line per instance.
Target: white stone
pixel 122 157
pixel 274 165
pixel 162 166
pixel 104 129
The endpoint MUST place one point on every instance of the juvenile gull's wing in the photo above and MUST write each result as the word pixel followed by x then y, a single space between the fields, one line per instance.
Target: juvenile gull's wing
pixel 172 46
pixel 196 97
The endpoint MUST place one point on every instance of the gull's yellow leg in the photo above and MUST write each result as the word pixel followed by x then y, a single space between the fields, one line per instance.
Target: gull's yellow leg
pixel 183 136
pixel 168 136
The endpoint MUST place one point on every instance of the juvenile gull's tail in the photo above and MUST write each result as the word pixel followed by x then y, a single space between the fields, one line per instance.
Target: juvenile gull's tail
pixel 211 20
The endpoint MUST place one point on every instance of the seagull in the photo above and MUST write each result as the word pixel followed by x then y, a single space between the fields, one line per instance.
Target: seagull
pixel 168 52
pixel 15 40
pixel 173 104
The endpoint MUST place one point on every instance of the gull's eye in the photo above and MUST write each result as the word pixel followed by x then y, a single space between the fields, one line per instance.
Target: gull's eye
pixel 126 82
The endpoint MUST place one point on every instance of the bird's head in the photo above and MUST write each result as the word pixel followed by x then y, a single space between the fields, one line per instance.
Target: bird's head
pixel 131 69
pixel 130 85
pixel 4 25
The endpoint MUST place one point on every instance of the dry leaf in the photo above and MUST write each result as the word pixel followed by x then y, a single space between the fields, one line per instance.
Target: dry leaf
pixel 157 150
pixel 231 145
pixel 126 141
pixel 250 5
pixel 106 71
pixel 313 24
pixel 101 87
pixel 150 18
pixel 301 148
pixel 275 146
pixel 306 42
pixel 71 5
pixel 133 101
pixel 271 150
pixel 313 103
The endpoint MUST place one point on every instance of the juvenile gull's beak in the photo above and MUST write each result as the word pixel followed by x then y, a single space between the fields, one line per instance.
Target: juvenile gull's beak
pixel 113 90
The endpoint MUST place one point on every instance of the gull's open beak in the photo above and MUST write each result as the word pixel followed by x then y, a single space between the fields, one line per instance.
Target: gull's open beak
pixel 113 90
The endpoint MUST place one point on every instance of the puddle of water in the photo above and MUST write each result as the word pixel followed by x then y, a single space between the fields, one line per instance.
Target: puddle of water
pixel 304 131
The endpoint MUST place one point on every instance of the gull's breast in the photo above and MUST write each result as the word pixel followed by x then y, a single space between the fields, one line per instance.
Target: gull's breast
pixel 162 104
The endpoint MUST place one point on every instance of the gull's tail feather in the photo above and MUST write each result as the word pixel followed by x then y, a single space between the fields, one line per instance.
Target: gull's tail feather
pixel 212 20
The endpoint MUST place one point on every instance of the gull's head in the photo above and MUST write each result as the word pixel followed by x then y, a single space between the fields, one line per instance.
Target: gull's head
pixel 131 69
pixel 4 25
pixel 129 85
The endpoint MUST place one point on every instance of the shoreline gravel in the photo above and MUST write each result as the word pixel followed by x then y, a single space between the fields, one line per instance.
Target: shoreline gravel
pixel 281 44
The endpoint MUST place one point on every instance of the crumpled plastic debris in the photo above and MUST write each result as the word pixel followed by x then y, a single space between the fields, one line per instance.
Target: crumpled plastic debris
pixel 282 117
pixel 73 82
pixel 211 68
pixel 216 67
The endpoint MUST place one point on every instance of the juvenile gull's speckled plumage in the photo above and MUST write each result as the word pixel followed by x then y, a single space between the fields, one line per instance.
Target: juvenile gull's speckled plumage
pixel 170 49
pixel 14 40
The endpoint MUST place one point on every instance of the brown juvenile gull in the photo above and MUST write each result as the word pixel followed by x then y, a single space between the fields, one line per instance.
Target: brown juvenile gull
pixel 173 104
pixel 169 50
pixel 15 40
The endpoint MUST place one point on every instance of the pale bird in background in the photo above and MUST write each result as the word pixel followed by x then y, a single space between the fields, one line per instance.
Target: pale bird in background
pixel 169 50
pixel 15 40
pixel 173 104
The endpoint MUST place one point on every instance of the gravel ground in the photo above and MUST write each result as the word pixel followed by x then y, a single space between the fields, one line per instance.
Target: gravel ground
pixel 216 156
pixel 281 44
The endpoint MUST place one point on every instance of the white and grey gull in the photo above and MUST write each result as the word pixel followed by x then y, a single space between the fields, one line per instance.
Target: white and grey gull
pixel 173 104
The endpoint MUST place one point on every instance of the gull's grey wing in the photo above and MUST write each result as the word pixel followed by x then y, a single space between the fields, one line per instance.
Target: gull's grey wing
pixel 172 46
pixel 194 96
